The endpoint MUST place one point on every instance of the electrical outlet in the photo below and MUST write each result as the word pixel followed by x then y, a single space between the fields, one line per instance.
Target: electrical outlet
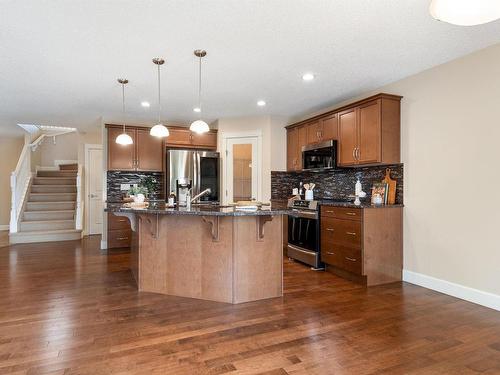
pixel 124 187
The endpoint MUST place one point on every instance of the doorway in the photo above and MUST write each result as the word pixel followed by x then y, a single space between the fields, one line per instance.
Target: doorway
pixel 93 188
pixel 242 178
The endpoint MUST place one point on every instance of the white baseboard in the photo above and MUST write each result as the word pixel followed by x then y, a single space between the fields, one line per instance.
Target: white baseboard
pixel 456 290
pixel 104 245
pixel 4 227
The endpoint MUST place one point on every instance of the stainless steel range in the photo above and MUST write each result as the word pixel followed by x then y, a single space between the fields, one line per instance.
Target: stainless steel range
pixel 303 232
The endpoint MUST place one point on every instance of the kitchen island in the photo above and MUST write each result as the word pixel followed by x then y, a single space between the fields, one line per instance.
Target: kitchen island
pixel 207 252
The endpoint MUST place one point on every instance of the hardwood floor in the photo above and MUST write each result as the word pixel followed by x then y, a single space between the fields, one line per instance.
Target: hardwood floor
pixel 4 238
pixel 66 308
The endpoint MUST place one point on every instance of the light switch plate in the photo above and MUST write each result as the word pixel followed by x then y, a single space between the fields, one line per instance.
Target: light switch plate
pixel 124 187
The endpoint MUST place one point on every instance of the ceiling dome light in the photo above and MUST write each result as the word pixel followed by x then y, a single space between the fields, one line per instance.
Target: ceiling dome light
pixel 145 104
pixel 261 103
pixel 159 130
pixel 123 139
pixel 465 12
pixel 308 77
pixel 199 126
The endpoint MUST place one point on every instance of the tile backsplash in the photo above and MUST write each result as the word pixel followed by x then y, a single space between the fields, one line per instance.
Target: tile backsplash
pixel 116 178
pixel 336 184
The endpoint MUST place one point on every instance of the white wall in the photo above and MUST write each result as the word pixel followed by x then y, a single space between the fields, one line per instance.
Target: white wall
pixel 450 135
pixel 65 148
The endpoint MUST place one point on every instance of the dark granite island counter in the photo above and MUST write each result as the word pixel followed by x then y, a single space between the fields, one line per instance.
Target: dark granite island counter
pixel 211 253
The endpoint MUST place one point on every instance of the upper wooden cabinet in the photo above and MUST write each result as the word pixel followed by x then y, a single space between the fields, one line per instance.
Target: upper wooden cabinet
pixel 367 132
pixel 183 137
pixel 145 154
pixel 296 138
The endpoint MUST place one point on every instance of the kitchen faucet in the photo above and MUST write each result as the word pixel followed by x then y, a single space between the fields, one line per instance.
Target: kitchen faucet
pixel 203 193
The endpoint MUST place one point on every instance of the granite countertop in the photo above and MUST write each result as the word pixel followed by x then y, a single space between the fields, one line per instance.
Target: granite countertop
pixel 345 204
pixel 204 210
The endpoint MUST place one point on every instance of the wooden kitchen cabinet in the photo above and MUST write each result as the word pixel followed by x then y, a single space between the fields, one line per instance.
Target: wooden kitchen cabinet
pixel 367 132
pixel 363 244
pixel 145 154
pixel 184 138
pixel 296 138
pixel 119 231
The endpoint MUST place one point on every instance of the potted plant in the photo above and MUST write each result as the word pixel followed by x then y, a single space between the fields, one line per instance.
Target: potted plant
pixel 138 193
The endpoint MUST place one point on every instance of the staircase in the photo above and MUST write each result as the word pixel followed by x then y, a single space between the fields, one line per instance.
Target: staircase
pixel 49 212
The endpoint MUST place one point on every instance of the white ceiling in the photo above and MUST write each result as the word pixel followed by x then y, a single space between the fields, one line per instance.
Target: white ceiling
pixel 59 60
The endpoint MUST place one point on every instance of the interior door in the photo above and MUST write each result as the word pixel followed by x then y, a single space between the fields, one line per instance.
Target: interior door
pixel 94 177
pixel 242 169
pixel 348 137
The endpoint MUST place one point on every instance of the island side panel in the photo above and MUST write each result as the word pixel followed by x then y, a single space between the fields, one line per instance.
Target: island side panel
pixel 184 260
pixel 258 262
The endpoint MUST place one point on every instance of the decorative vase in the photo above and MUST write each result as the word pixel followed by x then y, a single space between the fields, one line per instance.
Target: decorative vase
pixel 139 198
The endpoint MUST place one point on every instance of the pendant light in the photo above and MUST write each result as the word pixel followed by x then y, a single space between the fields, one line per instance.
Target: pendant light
pixel 465 12
pixel 123 139
pixel 159 130
pixel 199 126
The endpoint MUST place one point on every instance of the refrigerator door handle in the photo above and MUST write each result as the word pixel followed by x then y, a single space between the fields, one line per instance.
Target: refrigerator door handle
pixel 198 173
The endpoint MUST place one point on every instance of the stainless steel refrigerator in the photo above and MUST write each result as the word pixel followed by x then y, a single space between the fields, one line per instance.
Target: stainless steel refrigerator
pixel 202 168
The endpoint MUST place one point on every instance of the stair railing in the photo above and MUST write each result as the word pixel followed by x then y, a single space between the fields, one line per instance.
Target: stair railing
pixel 79 199
pixel 19 184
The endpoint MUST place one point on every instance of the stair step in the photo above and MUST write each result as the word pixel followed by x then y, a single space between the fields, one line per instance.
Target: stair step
pixel 56 174
pixel 46 225
pixel 48 215
pixel 52 197
pixel 53 188
pixel 45 236
pixel 50 206
pixel 68 167
pixel 54 181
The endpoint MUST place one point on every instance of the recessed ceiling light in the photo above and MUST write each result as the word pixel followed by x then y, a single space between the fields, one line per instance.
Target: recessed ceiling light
pixel 308 77
pixel 197 109
pixel 261 103
pixel 145 104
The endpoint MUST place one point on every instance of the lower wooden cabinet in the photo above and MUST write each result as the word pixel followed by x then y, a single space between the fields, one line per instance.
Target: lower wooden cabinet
pixel 119 231
pixel 364 244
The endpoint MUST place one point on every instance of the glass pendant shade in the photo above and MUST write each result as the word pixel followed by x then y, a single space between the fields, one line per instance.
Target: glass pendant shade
pixel 159 130
pixel 124 139
pixel 465 12
pixel 199 126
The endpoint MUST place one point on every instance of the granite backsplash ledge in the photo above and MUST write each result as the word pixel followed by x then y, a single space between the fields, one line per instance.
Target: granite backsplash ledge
pixel 337 184
pixel 116 178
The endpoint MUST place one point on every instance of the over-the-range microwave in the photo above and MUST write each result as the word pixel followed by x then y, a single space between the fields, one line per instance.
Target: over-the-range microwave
pixel 319 156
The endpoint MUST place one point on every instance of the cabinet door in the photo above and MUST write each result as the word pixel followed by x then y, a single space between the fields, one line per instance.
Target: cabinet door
pixel 179 137
pixel 302 142
pixel 369 133
pixel 149 152
pixel 313 132
pixel 292 144
pixel 205 140
pixel 120 157
pixel 348 137
pixel 328 128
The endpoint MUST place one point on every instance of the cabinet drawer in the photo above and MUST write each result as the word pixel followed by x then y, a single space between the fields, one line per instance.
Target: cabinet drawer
pixel 342 212
pixel 342 257
pixel 341 232
pixel 117 222
pixel 119 238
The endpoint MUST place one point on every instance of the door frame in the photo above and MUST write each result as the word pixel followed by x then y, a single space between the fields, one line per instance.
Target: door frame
pixel 223 152
pixel 87 147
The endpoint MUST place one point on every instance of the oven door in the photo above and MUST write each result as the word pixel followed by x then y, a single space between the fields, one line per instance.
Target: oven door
pixel 319 156
pixel 302 232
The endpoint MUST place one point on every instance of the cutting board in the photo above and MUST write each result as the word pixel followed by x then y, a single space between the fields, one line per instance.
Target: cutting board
pixel 391 199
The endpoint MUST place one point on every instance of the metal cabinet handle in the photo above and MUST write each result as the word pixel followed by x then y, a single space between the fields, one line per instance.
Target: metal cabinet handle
pixel 122 220
pixel 330 253
pixel 351 259
pixel 329 229
pixel 358 153
pixel 351 233
pixel 122 238
pixel 354 153
pixel 330 211
pixel 350 213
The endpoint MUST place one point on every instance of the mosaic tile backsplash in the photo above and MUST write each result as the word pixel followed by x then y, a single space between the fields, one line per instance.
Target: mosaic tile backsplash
pixel 337 184
pixel 116 178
